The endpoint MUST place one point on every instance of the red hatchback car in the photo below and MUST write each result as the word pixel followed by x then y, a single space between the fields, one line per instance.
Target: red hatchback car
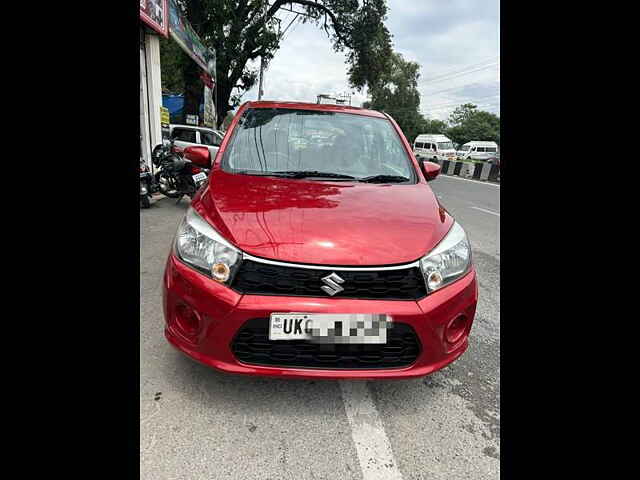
pixel 318 250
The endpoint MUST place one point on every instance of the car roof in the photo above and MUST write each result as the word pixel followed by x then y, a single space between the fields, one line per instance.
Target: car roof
pixel 323 107
pixel 434 136
pixel 481 143
pixel 193 127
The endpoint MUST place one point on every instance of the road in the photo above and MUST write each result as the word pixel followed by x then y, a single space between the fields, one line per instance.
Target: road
pixel 196 423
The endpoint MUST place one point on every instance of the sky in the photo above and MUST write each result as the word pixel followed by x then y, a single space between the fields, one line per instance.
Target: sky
pixel 455 42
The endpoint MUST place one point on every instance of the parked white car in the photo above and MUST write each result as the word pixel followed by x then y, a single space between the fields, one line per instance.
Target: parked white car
pixel 434 147
pixel 481 151
pixel 190 135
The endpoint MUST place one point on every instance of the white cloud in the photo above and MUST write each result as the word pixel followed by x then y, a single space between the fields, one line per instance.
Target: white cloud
pixel 443 36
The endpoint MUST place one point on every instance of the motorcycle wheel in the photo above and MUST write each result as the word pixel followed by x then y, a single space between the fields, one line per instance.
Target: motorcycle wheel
pixel 162 190
pixel 144 201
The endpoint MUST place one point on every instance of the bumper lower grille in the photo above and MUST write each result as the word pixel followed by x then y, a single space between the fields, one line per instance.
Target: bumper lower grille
pixel 251 345
pixel 265 279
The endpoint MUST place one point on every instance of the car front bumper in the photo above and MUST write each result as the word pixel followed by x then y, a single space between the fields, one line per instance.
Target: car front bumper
pixel 221 312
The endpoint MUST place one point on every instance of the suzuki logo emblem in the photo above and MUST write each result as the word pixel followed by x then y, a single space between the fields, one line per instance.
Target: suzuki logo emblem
pixel 332 282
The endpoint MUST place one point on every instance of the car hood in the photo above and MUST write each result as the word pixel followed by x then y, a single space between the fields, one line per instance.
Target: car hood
pixel 324 222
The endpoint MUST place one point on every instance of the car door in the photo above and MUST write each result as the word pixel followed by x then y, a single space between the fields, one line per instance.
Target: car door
pixel 184 137
pixel 432 152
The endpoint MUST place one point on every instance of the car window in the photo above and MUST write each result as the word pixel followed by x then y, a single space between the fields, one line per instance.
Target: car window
pixel 281 139
pixel 184 135
pixel 419 145
pixel 480 149
pixel 491 149
pixel 209 138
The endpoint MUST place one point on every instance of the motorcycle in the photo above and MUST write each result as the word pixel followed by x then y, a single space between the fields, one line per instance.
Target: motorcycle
pixel 180 173
pixel 147 187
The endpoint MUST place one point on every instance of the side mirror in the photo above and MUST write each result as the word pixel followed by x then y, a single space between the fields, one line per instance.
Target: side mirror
pixel 198 155
pixel 431 170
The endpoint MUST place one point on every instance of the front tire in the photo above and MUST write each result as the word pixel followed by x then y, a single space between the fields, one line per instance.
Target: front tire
pixel 144 201
pixel 162 187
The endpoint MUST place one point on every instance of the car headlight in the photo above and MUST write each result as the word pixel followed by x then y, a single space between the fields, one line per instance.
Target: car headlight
pixel 449 261
pixel 201 247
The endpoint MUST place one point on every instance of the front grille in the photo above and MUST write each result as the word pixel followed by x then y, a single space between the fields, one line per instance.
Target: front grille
pixel 251 345
pixel 265 279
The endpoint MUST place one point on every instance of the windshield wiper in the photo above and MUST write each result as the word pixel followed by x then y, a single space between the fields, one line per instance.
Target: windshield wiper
pixel 256 173
pixel 312 173
pixel 384 179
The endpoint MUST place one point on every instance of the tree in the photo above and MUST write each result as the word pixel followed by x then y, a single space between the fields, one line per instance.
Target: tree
pixel 173 61
pixel 243 30
pixel 462 113
pixel 227 120
pixel 433 126
pixel 468 123
pixel 397 94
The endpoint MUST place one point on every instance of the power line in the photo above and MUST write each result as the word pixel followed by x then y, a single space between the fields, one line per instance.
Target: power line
pixel 445 109
pixel 466 100
pixel 459 87
pixel 457 74
pixel 466 67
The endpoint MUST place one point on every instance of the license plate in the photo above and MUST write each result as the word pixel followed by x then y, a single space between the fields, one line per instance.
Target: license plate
pixel 330 327
pixel 199 177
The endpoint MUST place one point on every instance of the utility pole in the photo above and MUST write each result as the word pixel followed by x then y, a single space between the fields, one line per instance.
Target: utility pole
pixel 260 92
pixel 281 35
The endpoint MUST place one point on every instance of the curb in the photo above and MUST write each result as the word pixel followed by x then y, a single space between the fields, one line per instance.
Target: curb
pixel 477 170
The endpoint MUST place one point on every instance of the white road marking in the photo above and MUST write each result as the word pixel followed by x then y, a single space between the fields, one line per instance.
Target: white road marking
pixel 469 180
pixel 487 211
pixel 373 447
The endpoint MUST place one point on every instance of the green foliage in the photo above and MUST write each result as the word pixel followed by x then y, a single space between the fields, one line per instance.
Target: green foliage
pixel 468 123
pixel 397 94
pixel 173 61
pixel 462 113
pixel 433 126
pixel 244 30
pixel 227 120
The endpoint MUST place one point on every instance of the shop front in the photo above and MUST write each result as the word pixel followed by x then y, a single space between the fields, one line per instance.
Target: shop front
pixel 162 18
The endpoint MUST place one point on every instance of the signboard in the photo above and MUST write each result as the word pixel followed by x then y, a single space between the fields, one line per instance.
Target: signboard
pixel 186 37
pixel 155 13
pixel 191 120
pixel 165 119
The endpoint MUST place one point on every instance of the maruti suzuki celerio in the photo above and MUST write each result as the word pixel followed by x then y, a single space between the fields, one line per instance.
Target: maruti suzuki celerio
pixel 318 250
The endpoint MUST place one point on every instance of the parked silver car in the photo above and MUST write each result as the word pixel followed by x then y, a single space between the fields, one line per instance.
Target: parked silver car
pixel 190 135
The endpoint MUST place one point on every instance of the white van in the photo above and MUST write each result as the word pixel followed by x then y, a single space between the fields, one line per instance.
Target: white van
pixel 478 151
pixel 433 147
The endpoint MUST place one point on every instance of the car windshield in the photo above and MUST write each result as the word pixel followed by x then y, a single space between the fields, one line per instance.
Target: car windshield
pixel 445 145
pixel 464 148
pixel 280 140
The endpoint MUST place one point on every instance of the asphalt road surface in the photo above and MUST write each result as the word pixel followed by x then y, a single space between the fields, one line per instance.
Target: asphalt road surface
pixel 196 423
